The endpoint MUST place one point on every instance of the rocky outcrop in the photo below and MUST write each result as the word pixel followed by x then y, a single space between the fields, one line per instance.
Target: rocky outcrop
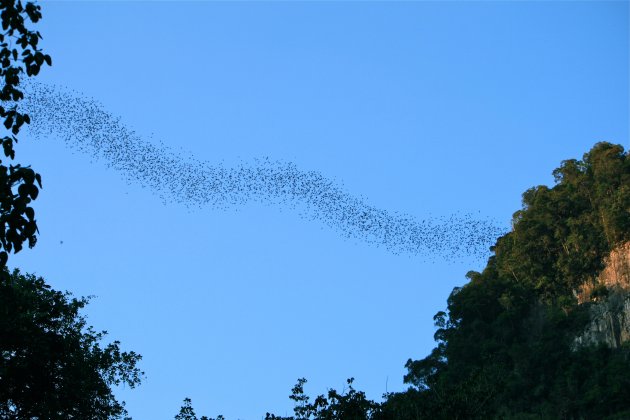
pixel 614 276
pixel 609 303
pixel 610 322
pixel 616 273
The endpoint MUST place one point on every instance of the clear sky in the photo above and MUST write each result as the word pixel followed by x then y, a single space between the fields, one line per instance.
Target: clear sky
pixel 422 108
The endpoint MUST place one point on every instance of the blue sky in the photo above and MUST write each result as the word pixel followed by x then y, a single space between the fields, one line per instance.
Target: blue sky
pixel 424 108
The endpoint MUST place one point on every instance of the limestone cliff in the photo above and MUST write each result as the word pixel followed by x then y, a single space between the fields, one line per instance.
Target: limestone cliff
pixel 609 302
pixel 610 322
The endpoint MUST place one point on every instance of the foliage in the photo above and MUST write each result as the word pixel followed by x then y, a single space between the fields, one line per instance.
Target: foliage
pixel 562 234
pixel 52 365
pixel 504 345
pixel 351 405
pixel 186 412
pixel 19 54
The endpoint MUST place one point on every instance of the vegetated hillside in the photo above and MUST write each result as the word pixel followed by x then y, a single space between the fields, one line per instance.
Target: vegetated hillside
pixel 542 332
pixel 515 341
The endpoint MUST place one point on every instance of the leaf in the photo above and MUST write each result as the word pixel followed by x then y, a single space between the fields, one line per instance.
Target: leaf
pixel 23 190
pixel 34 192
pixel 7 145
pixel 8 122
pixel 29 175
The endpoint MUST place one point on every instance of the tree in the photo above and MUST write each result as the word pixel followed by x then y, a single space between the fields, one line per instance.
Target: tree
pixel 19 54
pixel 52 365
pixel 350 405
pixel 505 344
pixel 187 412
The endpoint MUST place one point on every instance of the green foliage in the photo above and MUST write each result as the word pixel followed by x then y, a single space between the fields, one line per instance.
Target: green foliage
pixel 52 365
pixel 504 345
pixel 19 53
pixel 562 234
pixel 350 405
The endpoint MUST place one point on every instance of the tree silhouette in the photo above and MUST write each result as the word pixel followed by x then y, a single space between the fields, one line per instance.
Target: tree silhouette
pixel 52 364
pixel 187 412
pixel 19 54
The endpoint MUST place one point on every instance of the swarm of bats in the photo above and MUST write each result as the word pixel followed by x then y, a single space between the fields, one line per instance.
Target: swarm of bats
pixel 84 125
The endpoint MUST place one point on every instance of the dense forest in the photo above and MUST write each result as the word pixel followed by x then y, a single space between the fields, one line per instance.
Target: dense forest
pixel 542 332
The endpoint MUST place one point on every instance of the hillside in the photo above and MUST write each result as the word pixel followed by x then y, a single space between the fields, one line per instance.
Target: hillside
pixel 542 331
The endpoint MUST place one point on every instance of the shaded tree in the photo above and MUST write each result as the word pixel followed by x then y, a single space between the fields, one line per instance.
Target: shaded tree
pixel 52 364
pixel 347 405
pixel 187 412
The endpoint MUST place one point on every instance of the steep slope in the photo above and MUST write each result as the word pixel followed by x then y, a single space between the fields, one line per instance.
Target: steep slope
pixel 542 331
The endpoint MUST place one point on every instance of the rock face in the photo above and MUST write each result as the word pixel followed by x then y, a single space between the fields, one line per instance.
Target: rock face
pixel 610 322
pixel 610 316
pixel 616 273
